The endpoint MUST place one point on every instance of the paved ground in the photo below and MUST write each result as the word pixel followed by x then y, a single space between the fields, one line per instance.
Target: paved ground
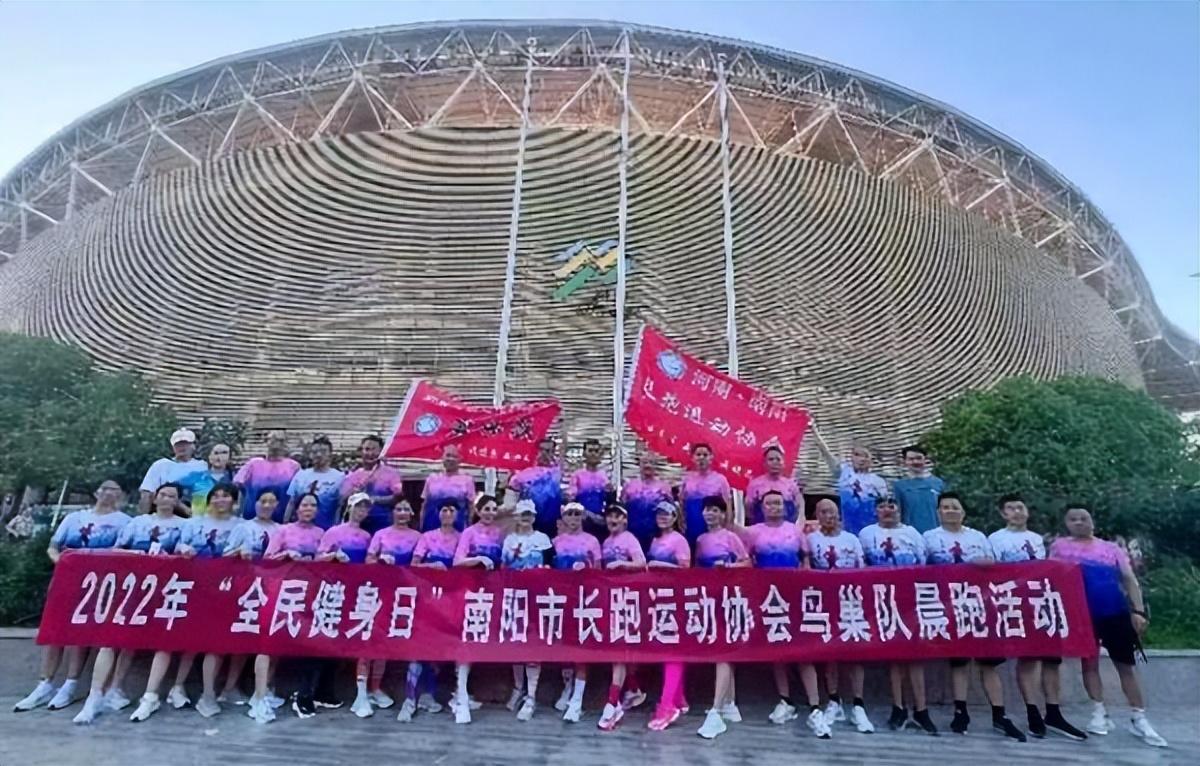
pixel 181 738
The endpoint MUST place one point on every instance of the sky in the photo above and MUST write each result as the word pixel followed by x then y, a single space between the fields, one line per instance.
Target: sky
pixel 1106 92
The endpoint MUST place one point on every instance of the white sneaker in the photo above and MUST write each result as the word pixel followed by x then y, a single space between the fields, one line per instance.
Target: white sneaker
pixel 381 699
pixel 148 705
pixel 234 697
pixel 527 708
pixel 818 724
pixel 274 700
pixel 41 694
pixel 1100 723
pixel 858 717
pixel 362 706
pixel 731 713
pixel 834 712
pixel 64 696
pixel 115 700
pixel 407 709
pixel 207 706
pixel 428 703
pixel 573 712
pixel 92 707
pixel 177 698
pixel 462 713
pixel 1141 728
pixel 713 726
pixel 261 711
pixel 514 699
pixel 632 699
pixel 564 699
pixel 610 717
pixel 782 713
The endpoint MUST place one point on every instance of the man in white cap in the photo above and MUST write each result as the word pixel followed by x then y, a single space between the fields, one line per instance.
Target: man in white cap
pixel 183 469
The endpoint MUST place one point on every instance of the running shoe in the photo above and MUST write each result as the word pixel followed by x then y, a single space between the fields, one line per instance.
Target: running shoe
pixel 960 722
pixel 64 696
pixel 858 717
pixel 1100 723
pixel 115 700
pixel 834 712
pixel 924 722
pixel 782 713
pixel 897 719
pixel 177 698
pixel 233 697
pixel 573 712
pixel 731 713
pixel 407 709
pixel 664 717
pixel 462 713
pixel 527 709
pixel 92 707
pixel 713 726
pixel 361 706
pixel 1141 728
pixel 818 724
pixel 514 699
pixel 428 703
pixel 564 699
pixel 207 706
pixel 328 703
pixel 148 705
pixel 1037 725
pixel 303 707
pixel 1056 723
pixel 381 699
pixel 633 698
pixel 1008 729
pixel 610 717
pixel 41 694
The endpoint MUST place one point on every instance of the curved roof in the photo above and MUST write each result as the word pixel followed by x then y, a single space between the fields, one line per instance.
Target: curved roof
pixel 470 74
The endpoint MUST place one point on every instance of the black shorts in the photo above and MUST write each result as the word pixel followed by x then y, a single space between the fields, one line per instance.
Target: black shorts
pixel 1116 634
pixel 989 662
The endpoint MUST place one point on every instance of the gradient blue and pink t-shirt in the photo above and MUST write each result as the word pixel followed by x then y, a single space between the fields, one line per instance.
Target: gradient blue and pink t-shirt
pixel 589 488
pixel 304 539
pixel 720 545
pixel 857 493
pixel 693 490
pixel 622 546
pixel 641 497
pixel 781 547
pixel 251 537
pixel 380 481
pixel 784 485
pixel 898 546
pixel 840 551
pixel 346 538
pixel 326 485
pixel 480 539
pixel 397 542
pixel 437 546
pixel 1100 562
pixel 571 548
pixel 89 530
pixel 261 474
pixel 442 488
pixel 671 548
pixel 543 485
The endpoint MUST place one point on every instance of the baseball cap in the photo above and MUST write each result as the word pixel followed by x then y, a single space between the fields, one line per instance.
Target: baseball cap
pixel 182 435
pixel 666 506
pixel 525 507
pixel 356 498
pixel 616 508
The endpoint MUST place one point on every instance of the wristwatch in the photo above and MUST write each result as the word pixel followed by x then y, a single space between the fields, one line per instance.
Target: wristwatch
pixel 1141 613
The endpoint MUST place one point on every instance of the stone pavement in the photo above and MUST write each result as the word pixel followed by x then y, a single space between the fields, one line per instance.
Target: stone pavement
pixel 182 738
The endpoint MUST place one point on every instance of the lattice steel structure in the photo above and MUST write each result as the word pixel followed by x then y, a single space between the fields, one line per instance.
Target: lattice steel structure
pixel 290 234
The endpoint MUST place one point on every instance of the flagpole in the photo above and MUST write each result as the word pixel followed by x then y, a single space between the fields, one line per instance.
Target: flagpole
pixel 510 266
pixel 618 390
pixel 727 230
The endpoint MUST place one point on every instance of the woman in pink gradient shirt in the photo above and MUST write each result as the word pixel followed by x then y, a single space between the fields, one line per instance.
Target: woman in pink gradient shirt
pixel 574 550
pixel 669 551
pixel 697 485
pixel 621 551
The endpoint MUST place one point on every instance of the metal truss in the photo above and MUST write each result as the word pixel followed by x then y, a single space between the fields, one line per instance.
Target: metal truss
pixel 473 73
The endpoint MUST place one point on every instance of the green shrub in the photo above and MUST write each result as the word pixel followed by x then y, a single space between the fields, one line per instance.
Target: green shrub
pixel 1173 594
pixel 24 577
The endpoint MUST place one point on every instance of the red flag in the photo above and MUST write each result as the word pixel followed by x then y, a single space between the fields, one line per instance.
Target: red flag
pixel 494 437
pixel 674 401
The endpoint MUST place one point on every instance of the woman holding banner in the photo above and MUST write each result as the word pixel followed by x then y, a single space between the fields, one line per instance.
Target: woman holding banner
pixel 480 546
pixel 621 551
pixel 669 550
pixel 574 550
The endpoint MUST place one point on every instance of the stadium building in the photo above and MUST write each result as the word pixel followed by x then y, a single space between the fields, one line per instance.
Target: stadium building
pixel 291 234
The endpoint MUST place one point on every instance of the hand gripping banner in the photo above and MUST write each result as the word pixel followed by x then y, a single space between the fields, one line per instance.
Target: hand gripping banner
pixel 691 615
pixel 494 437
pixel 674 400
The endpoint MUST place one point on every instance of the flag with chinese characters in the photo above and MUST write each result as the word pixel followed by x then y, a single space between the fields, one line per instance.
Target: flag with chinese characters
pixel 493 437
pixel 674 400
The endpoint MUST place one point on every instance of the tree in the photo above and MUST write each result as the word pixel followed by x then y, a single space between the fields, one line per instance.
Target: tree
pixel 63 419
pixel 1073 438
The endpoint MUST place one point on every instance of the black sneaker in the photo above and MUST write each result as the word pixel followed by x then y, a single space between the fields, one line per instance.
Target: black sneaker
pixel 922 719
pixel 303 707
pixel 897 719
pixel 1006 727
pixel 961 722
pixel 1056 723
pixel 328 703
pixel 1037 727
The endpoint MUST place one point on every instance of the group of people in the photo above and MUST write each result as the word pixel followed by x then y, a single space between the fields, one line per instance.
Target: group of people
pixel 272 508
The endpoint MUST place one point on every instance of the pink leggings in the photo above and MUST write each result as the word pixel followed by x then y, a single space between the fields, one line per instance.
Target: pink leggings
pixel 672 689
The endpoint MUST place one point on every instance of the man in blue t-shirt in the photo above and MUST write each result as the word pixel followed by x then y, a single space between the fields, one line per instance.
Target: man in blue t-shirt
pixel 918 492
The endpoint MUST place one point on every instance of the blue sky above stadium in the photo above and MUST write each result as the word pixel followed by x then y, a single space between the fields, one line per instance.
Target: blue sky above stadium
pixel 1106 92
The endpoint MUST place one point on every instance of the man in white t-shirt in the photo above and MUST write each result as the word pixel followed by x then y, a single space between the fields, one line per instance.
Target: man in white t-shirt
pixel 1016 543
pixel 955 543
pixel 182 469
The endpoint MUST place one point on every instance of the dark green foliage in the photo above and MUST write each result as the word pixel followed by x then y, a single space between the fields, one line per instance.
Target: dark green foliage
pixel 24 576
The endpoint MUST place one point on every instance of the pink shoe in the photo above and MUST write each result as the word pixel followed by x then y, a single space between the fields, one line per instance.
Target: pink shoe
pixel 664 717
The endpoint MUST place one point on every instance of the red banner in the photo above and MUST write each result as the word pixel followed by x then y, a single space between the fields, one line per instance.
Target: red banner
pixel 691 615
pixel 495 437
pixel 674 401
